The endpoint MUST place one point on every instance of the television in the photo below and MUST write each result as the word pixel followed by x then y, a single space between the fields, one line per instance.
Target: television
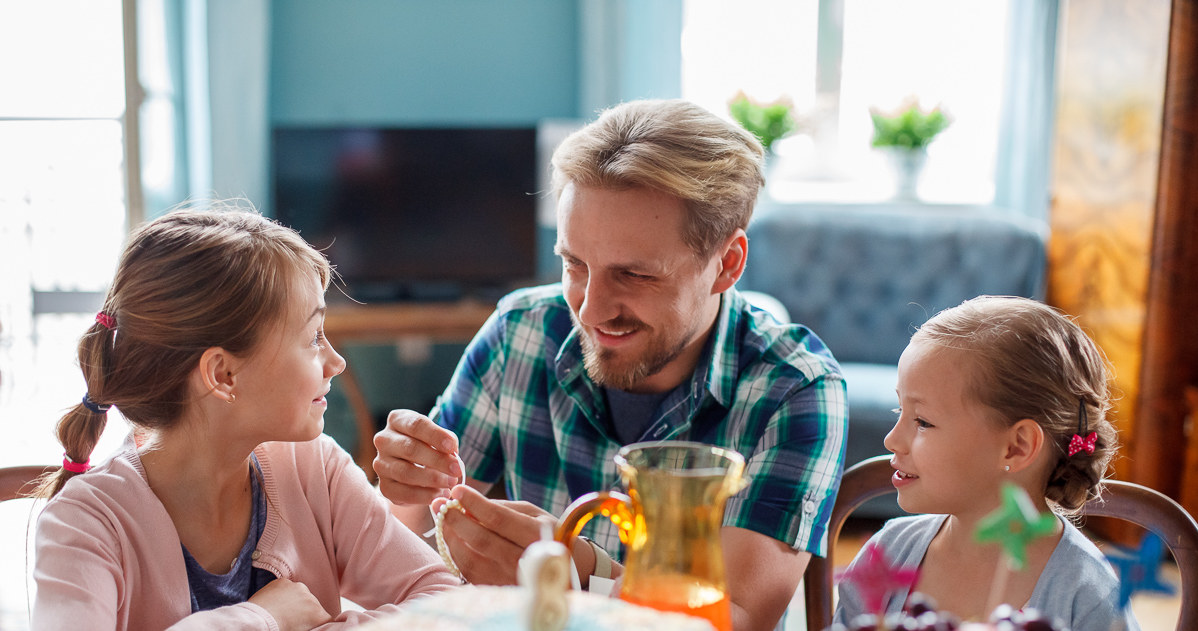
pixel 413 213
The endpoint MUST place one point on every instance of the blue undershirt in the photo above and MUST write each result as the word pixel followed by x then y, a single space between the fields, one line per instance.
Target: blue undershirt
pixel 209 591
pixel 631 412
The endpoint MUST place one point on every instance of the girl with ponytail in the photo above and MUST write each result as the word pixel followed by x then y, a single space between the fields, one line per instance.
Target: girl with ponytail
pixel 228 508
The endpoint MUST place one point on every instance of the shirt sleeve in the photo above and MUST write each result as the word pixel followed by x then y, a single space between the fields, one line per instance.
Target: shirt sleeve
pixel 469 407
pixel 796 465
pixel 77 569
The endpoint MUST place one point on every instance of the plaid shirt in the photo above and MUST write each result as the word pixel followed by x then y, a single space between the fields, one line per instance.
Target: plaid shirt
pixel 525 409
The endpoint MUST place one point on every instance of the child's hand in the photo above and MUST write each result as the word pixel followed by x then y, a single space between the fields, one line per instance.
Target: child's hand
pixel 291 605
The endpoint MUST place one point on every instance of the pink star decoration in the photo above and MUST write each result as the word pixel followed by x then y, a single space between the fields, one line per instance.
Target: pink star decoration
pixel 873 576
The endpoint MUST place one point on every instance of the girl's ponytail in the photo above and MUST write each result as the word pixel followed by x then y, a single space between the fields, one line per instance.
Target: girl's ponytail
pixel 188 281
pixel 80 428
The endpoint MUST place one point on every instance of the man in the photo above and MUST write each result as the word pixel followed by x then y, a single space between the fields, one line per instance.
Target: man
pixel 645 339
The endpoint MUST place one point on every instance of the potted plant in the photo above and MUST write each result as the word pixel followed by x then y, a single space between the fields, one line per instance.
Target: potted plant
pixel 905 135
pixel 768 121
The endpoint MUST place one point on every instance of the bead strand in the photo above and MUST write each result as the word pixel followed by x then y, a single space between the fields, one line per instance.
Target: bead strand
pixel 442 547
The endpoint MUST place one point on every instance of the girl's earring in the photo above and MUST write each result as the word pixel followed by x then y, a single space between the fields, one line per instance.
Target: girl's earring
pixel 233 397
pixel 1006 468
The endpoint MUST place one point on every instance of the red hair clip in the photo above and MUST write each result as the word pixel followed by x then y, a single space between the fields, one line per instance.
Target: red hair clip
pixel 1077 443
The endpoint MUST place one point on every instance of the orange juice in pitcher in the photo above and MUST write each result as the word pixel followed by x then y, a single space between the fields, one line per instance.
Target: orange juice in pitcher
pixel 683 594
pixel 670 523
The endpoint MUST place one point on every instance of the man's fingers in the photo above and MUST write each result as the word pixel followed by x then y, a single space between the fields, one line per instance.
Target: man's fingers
pixel 526 508
pixel 411 438
pixel 418 426
pixel 501 517
pixel 404 483
pixel 428 468
pixel 484 557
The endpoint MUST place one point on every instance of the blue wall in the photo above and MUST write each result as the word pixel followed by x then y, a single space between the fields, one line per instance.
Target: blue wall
pixel 459 63
pixel 422 62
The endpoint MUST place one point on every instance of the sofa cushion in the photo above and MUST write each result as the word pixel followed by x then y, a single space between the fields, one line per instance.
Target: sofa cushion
pixel 863 278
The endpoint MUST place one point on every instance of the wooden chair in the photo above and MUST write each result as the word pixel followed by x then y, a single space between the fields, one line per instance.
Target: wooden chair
pixel 18 482
pixel 1137 504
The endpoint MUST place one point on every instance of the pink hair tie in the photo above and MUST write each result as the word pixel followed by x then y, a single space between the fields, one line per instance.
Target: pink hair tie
pixel 108 321
pixel 75 467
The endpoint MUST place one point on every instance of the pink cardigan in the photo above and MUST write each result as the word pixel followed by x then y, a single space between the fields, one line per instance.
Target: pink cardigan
pixel 108 555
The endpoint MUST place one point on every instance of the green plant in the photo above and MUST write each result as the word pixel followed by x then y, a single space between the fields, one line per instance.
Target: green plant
pixel 909 128
pixel 767 121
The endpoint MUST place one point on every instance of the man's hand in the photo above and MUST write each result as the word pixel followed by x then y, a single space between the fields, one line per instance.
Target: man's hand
pixel 487 537
pixel 417 459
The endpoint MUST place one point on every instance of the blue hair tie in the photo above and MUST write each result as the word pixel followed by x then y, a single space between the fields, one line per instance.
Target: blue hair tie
pixel 96 408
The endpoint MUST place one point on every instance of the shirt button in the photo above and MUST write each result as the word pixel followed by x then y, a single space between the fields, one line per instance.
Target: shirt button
pixel 254 556
pixel 809 507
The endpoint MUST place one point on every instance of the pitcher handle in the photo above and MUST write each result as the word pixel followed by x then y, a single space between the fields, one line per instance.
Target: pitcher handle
pixel 615 506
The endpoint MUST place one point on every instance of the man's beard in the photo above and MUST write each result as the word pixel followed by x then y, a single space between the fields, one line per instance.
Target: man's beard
pixel 607 371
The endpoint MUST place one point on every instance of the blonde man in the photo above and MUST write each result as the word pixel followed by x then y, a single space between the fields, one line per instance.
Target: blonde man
pixel 645 338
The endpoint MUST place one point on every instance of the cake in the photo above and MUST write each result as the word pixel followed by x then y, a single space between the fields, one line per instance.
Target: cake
pixel 472 607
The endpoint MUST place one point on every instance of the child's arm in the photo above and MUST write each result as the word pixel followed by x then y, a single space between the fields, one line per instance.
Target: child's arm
pixel 382 563
pixel 80 572
pixel 78 576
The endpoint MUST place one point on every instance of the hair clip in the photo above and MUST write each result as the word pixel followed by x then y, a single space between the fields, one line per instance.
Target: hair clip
pixel 1077 443
pixel 107 320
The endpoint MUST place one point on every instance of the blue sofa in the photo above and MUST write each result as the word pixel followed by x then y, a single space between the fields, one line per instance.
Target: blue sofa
pixel 863 277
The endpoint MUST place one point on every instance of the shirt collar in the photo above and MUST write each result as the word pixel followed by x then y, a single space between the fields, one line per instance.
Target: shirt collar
pixel 716 371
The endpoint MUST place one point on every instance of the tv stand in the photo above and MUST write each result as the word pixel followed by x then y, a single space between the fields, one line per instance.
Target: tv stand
pixel 453 321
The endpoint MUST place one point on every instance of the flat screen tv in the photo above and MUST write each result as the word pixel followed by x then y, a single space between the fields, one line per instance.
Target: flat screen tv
pixel 413 213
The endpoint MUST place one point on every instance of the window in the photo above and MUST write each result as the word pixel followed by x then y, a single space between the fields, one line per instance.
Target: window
pixel 835 59
pixel 62 202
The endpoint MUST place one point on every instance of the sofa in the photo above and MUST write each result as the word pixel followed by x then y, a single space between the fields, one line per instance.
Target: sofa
pixel 864 276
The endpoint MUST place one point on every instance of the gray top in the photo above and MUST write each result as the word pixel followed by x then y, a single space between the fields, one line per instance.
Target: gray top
pixel 1077 586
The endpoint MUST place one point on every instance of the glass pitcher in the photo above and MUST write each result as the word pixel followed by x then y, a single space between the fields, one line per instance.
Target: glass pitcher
pixel 670 524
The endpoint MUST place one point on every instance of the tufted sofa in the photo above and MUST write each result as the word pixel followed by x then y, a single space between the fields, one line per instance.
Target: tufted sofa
pixel 863 277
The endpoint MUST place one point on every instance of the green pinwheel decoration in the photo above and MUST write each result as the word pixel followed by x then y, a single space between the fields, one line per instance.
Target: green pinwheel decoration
pixel 1015 524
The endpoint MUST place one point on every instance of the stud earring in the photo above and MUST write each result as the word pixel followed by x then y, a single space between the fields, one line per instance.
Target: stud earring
pixel 231 399
pixel 1007 468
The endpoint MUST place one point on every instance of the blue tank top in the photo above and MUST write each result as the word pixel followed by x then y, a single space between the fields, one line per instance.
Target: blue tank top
pixel 209 591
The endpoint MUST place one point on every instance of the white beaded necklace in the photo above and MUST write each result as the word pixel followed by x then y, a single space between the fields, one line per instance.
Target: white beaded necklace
pixel 439 522
pixel 442 547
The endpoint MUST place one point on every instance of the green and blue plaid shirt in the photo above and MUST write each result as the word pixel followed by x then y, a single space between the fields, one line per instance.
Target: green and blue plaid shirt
pixel 524 408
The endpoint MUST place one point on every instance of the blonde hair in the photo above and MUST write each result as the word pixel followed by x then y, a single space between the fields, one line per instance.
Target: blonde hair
pixel 1033 362
pixel 675 147
pixel 187 281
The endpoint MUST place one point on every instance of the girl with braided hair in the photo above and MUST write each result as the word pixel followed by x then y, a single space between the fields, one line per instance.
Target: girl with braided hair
pixel 999 391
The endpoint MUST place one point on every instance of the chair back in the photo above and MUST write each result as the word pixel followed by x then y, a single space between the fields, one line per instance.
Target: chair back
pixel 18 482
pixel 1128 501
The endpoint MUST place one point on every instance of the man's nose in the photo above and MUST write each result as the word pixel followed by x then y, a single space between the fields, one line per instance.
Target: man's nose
pixel 599 303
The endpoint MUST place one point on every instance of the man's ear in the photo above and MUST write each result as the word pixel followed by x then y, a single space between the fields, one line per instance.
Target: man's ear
pixel 1025 440
pixel 216 373
pixel 732 261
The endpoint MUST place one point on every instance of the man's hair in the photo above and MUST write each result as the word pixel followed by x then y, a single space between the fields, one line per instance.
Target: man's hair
pixel 713 166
